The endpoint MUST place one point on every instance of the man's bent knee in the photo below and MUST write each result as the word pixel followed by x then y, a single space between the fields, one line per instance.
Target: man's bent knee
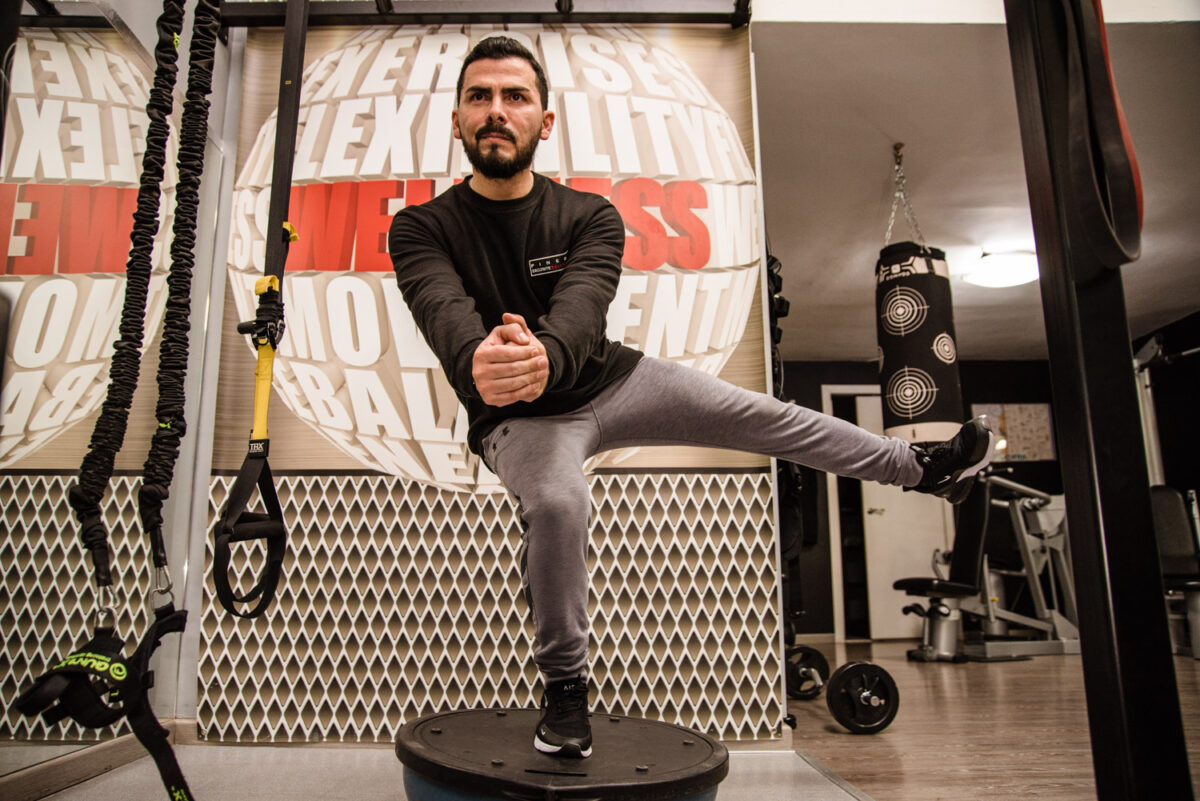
pixel 556 508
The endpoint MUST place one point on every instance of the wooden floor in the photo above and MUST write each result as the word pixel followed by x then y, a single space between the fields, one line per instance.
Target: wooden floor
pixel 975 731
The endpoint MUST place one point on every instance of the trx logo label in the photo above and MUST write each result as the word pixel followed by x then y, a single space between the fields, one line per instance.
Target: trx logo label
pixel 547 265
pixel 258 448
pixel 95 662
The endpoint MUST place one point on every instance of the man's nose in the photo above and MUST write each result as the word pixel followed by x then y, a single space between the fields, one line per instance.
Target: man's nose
pixel 496 110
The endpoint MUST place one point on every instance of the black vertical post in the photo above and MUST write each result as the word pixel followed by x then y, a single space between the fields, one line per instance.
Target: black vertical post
pixel 295 29
pixel 10 19
pixel 1079 222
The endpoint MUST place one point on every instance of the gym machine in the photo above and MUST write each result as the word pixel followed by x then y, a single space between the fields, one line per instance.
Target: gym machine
pixel 982 593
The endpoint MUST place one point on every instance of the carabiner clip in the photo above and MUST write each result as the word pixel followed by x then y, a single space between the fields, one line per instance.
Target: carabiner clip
pixel 163 585
pixel 106 606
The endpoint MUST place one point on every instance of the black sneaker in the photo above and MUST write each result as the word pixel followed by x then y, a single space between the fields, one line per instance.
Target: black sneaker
pixel 950 467
pixel 564 729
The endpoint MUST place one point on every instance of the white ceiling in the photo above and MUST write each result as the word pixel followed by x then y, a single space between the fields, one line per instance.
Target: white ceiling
pixel 834 97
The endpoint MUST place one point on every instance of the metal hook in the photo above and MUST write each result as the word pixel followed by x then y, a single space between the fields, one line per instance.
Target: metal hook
pixel 163 585
pixel 106 605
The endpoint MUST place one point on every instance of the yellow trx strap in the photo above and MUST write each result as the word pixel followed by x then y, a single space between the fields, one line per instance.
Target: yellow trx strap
pixel 263 370
pixel 236 524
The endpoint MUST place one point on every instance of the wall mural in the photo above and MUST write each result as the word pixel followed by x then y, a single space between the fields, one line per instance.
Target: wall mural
pixel 635 123
pixel 74 138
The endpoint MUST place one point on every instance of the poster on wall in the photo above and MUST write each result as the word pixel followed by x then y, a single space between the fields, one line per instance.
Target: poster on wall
pixel 1024 431
pixel 656 119
pixel 73 142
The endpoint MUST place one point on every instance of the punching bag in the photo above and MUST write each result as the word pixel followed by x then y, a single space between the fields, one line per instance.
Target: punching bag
pixel 914 321
pixel 918 357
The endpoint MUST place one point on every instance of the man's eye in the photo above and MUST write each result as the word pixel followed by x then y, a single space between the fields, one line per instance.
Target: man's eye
pixel 517 96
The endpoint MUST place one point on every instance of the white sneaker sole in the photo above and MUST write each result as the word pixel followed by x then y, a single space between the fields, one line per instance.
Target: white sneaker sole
pixel 557 750
pixel 984 461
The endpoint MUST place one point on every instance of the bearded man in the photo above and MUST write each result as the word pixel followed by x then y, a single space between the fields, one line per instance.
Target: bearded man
pixel 509 276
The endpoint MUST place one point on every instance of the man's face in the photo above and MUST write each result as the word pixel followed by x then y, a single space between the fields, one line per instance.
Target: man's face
pixel 499 117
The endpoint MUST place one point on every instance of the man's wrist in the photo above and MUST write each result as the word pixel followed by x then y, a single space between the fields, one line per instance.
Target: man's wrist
pixel 553 359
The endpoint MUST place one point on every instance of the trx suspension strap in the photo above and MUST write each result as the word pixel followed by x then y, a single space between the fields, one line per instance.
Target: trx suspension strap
pixel 96 686
pixel 235 523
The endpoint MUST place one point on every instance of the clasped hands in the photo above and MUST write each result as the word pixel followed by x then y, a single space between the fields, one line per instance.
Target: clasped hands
pixel 510 365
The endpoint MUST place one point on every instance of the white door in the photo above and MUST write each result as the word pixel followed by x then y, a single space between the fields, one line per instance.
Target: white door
pixel 901 530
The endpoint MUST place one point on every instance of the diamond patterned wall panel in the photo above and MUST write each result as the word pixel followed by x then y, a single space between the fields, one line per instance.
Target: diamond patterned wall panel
pixel 400 600
pixel 685 622
pixel 48 594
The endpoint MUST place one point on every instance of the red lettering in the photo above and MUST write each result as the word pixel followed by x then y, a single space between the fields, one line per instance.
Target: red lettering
pixel 8 199
pixel 41 230
pixel 323 215
pixel 690 250
pixel 647 248
pixel 370 238
pixel 597 186
pixel 344 225
pixel 96 224
pixel 418 191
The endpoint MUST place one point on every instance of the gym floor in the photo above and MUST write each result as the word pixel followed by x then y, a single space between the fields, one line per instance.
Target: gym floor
pixel 994 731
pixel 1003 731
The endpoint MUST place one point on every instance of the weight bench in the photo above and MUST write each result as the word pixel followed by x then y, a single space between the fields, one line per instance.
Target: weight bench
pixel 1179 558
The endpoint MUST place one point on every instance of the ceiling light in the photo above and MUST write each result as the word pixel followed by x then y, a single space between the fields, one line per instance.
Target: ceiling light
pixel 1011 268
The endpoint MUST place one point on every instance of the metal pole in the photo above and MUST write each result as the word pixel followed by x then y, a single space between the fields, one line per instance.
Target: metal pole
pixel 1133 701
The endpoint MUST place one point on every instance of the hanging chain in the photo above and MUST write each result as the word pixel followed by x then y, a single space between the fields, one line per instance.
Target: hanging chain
pixel 900 195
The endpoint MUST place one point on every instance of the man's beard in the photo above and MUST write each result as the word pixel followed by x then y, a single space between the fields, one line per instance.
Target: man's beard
pixel 492 164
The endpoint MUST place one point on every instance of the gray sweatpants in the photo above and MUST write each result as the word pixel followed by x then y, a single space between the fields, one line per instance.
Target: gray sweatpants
pixel 540 461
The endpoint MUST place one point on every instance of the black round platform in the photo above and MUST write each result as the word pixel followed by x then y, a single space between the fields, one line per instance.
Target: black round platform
pixel 489 753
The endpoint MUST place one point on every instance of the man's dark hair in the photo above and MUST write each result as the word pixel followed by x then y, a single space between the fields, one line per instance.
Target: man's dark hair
pixel 500 47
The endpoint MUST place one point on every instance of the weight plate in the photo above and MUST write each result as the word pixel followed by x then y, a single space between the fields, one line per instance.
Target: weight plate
pixel 862 697
pixel 804 664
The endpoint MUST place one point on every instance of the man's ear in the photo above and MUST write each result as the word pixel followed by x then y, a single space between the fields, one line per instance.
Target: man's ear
pixel 547 124
pixel 454 124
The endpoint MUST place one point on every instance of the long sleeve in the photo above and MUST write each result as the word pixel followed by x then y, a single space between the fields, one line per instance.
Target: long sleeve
pixel 554 257
pixel 574 325
pixel 435 295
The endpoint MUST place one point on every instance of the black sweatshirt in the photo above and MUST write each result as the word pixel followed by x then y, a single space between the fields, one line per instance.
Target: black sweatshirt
pixel 553 257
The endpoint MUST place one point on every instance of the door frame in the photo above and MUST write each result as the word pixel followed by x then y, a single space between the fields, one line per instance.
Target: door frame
pixel 828 391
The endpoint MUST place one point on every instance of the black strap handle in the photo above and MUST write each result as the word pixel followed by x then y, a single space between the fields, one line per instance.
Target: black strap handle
pixel 235 524
pixel 238 525
pixel 1105 182
pixel 95 686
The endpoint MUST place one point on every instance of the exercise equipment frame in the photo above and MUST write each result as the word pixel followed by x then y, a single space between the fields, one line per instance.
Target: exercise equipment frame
pixel 1085 200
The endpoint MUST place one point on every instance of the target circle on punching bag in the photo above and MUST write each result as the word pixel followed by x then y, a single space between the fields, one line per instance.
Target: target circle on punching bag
pixel 904 310
pixel 943 348
pixel 910 392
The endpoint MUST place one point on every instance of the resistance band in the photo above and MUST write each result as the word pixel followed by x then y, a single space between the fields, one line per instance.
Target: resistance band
pixel 235 523
pixel 95 685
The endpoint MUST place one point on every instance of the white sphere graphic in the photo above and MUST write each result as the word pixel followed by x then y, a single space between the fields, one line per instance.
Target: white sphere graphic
pixel 76 128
